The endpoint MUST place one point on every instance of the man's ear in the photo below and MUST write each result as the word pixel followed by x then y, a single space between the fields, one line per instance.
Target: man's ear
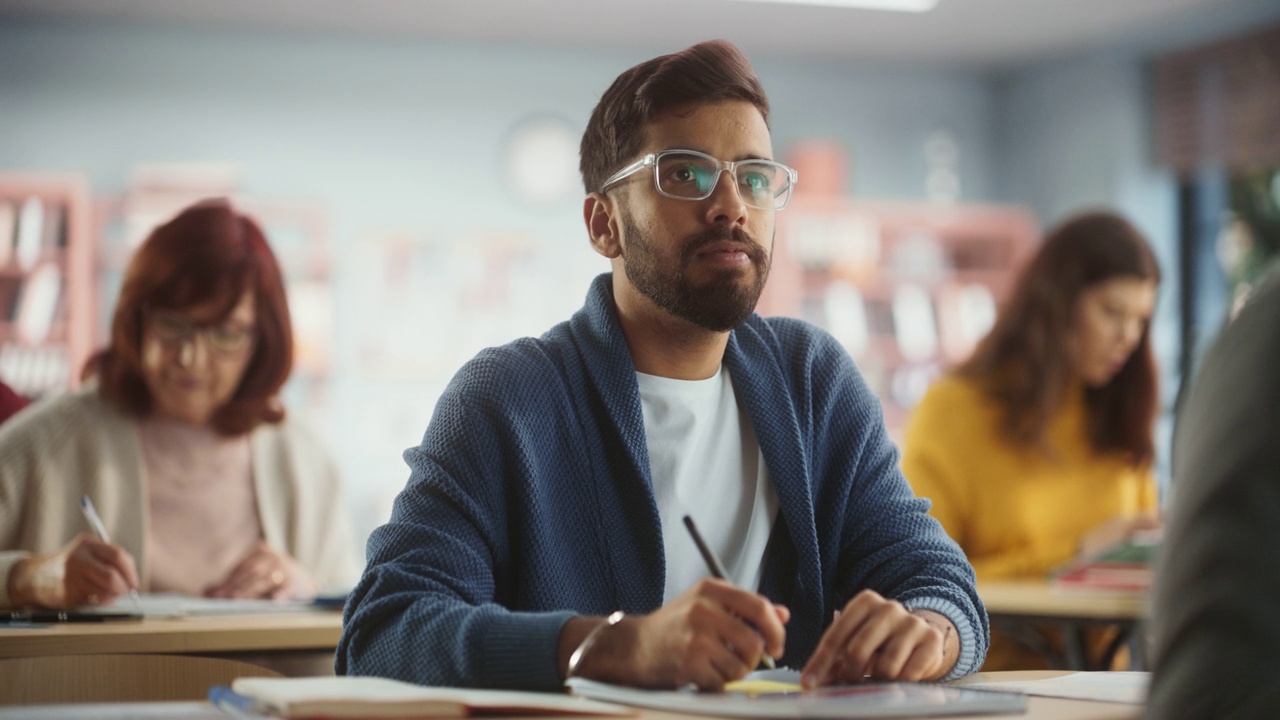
pixel 599 212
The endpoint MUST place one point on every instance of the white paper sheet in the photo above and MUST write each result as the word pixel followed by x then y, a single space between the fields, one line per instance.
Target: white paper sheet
pixel 1117 687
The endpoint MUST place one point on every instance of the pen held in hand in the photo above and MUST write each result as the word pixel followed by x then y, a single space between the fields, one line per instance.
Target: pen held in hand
pixel 99 529
pixel 717 570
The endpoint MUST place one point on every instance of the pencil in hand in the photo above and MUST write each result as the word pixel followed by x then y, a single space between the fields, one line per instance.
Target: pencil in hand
pixel 717 571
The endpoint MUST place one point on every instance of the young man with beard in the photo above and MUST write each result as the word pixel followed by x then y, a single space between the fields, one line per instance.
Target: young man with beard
pixel 549 489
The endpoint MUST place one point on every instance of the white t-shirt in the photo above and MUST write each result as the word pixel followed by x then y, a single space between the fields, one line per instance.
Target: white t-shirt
pixel 706 463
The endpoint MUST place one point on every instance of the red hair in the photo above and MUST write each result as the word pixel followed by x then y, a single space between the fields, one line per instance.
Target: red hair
pixel 1023 363
pixel 207 254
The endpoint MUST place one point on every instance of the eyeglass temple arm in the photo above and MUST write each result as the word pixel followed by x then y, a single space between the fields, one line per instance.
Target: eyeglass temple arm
pixel 628 170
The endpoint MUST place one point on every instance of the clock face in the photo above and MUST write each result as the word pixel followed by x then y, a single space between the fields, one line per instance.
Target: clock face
pixel 540 163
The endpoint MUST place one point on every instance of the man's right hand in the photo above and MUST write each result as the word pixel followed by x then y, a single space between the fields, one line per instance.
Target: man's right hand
pixel 85 571
pixel 711 634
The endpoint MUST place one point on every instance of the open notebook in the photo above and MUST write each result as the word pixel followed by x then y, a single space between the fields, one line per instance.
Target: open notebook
pixel 172 605
pixel 777 694
pixel 372 697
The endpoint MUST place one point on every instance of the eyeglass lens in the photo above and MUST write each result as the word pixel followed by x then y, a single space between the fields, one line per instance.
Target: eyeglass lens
pixel 174 329
pixel 686 175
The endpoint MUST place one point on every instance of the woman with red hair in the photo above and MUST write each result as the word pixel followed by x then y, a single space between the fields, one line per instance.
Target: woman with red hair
pixel 1039 447
pixel 179 439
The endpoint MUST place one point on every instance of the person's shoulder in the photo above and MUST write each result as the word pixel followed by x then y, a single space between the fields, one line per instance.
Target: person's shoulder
pixel 59 412
pixel 57 420
pixel 526 364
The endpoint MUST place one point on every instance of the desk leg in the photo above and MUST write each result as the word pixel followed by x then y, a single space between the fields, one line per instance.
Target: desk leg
pixel 1076 646
pixel 1138 647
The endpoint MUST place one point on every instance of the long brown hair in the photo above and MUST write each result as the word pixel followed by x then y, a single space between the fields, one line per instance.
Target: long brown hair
pixel 1024 364
pixel 208 253
pixel 709 72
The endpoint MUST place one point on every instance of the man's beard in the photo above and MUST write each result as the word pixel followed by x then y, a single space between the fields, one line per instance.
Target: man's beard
pixel 719 305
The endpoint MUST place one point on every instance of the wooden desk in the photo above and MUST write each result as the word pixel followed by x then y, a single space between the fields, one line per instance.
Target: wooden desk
pixel 1017 602
pixel 1039 599
pixel 200 635
pixel 1038 708
pixel 1055 708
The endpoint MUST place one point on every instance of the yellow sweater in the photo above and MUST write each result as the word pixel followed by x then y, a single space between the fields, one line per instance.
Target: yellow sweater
pixel 1016 512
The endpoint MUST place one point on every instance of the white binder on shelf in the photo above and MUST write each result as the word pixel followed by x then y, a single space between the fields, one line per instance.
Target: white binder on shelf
pixel 30 232
pixel 37 303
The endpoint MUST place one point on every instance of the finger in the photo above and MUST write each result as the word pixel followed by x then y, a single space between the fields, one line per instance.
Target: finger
pixel 246 576
pixel 820 669
pixel 711 622
pixel 904 640
pixel 742 639
pixel 784 614
pixel 253 565
pixel 720 665
pixel 866 643
pixel 244 570
pixel 100 577
pixel 248 586
pixel 925 662
pixel 751 607
pixel 118 559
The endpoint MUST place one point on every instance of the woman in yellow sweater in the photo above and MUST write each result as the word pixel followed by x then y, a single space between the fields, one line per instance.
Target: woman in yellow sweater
pixel 1039 446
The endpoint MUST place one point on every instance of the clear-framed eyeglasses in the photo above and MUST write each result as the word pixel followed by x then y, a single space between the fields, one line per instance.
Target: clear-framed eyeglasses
pixel 175 330
pixel 691 175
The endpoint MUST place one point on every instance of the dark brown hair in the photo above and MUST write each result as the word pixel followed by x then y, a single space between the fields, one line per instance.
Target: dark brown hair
pixel 1023 363
pixel 708 72
pixel 208 253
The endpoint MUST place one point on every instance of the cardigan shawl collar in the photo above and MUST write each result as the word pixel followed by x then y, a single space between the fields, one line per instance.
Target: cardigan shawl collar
pixel 761 384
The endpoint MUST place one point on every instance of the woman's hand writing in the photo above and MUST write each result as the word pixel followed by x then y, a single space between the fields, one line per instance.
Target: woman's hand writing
pixel 85 571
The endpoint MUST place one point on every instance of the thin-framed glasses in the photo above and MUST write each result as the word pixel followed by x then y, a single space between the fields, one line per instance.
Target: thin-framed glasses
pixel 175 330
pixel 691 175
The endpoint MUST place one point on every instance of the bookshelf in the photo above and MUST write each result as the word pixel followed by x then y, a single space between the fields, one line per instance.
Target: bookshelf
pixel 907 287
pixel 47 284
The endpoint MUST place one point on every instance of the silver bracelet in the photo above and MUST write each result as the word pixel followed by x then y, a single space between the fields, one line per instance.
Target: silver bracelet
pixel 576 658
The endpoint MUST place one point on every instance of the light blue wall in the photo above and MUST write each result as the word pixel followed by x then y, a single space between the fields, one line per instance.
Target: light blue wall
pixel 403 136
pixel 406 136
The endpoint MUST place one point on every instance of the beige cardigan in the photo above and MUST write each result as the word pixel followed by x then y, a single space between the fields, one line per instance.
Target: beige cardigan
pixel 77 443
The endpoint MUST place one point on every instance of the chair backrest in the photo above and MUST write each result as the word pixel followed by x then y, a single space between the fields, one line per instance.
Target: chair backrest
pixel 116 678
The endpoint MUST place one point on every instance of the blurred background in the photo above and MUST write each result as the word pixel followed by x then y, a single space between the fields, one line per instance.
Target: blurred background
pixel 414 163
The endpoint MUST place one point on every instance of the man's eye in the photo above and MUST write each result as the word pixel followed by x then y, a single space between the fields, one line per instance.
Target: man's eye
pixel 757 182
pixel 684 174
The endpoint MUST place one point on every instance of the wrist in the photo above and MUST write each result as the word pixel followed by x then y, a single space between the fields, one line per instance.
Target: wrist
pixel 950 638
pixel 583 661
pixel 19 585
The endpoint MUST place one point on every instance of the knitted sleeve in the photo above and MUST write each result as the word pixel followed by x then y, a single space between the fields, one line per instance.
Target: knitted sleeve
pixel 889 543
pixel 428 607
pixel 929 462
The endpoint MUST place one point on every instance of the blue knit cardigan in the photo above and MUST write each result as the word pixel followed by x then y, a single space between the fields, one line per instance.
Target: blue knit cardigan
pixel 529 501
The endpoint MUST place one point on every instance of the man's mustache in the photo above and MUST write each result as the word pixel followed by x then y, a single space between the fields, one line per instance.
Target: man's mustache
pixel 754 250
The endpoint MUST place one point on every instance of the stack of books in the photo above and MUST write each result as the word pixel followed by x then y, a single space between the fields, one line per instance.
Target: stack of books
pixel 1128 565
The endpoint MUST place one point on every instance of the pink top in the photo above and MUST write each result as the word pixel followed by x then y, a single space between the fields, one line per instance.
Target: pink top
pixel 204 512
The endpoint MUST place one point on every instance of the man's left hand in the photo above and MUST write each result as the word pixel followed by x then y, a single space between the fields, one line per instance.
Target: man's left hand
pixel 880 638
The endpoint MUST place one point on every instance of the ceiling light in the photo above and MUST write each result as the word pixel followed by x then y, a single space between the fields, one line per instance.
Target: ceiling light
pixel 896 5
